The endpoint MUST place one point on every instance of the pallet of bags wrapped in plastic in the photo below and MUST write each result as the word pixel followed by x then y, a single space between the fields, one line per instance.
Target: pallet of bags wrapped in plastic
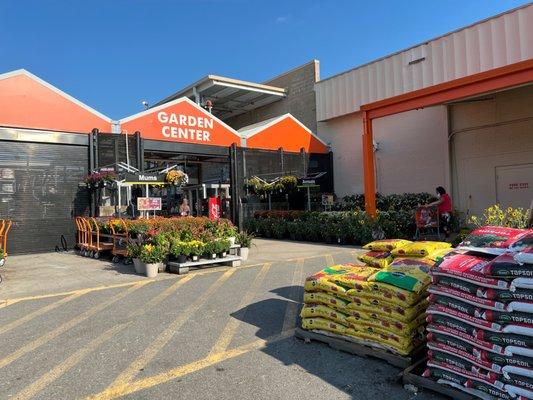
pixel 480 318
pixel 354 302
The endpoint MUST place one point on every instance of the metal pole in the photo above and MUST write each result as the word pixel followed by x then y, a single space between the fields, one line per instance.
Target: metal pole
pixel 308 198
pixel 127 149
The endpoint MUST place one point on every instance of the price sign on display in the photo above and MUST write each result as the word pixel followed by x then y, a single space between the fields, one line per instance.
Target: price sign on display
pixel 149 203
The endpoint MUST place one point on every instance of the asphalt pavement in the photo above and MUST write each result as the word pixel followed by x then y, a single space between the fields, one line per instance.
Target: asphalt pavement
pixel 218 333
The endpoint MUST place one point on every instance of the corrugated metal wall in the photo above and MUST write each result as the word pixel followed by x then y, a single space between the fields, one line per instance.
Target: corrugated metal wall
pixel 39 192
pixel 493 43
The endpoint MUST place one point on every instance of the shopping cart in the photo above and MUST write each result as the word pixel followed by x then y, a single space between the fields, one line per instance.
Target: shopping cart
pixel 96 244
pixel 119 228
pixel 427 223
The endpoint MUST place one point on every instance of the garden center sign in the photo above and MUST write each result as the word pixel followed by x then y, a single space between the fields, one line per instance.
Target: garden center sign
pixel 181 120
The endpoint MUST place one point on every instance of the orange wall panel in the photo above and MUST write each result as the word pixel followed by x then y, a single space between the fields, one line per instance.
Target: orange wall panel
pixel 27 103
pixel 288 134
pixel 181 121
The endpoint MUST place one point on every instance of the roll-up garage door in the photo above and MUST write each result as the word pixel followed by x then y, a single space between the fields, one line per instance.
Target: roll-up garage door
pixel 39 192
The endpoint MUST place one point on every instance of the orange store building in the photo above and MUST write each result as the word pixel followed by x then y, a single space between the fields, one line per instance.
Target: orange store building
pixel 49 142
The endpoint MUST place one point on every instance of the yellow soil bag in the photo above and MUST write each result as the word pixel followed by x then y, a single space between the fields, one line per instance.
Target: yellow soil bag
pixel 378 259
pixel 383 324
pixel 322 311
pixel 326 299
pixel 419 249
pixel 323 284
pixel 323 325
pixel 411 279
pixel 384 292
pixel 386 244
pixel 403 264
pixel 438 255
pixel 354 278
pixel 398 312
pixel 403 347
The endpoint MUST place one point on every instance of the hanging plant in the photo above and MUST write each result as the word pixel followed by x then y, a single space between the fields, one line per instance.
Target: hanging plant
pixel 98 179
pixel 260 187
pixel 177 177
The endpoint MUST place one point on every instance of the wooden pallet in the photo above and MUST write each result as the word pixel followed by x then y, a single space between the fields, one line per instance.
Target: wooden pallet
pixel 413 376
pixel 183 268
pixel 338 343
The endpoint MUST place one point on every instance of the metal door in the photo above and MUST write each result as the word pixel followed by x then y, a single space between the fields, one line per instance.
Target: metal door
pixel 514 185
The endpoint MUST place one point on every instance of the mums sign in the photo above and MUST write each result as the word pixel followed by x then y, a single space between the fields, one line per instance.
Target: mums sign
pixel 181 121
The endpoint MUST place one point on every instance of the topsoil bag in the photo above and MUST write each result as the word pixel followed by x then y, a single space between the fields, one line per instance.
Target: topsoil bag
pixel 506 266
pixel 493 239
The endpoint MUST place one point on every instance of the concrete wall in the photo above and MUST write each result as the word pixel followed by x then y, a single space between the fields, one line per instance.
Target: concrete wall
pixel 490 133
pixel 300 100
pixel 412 153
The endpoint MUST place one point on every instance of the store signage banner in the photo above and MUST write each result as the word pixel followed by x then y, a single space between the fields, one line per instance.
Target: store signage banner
pixel 149 203
pixel 181 121
pixel 142 178
pixel 214 208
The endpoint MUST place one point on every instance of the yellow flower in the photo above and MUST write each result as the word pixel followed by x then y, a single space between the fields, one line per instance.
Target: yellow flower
pixel 149 248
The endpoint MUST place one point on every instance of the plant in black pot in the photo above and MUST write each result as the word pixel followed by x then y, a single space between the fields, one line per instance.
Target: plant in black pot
pixel 222 247
pixel 178 250
pixel 210 249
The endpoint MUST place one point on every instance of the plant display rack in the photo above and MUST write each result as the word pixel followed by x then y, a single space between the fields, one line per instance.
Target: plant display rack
pixel 412 375
pixel 183 268
pixel 340 343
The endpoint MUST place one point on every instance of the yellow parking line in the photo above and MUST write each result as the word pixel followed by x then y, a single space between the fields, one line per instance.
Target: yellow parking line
pixel 233 324
pixel 40 311
pixel 79 355
pixel 289 320
pixel 329 260
pixel 212 359
pixel 163 338
pixel 66 326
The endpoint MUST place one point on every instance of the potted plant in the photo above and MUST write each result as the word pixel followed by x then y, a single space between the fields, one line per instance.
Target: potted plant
pixel 134 252
pixel 178 250
pixel 152 257
pixel 195 249
pixel 222 247
pixel 210 249
pixel 245 240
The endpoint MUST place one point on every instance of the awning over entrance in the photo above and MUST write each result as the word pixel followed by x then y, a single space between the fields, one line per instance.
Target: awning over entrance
pixel 282 132
pixel 229 97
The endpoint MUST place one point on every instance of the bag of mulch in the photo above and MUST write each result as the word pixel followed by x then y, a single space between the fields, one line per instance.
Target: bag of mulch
pixel 378 259
pixel 504 296
pixel 323 324
pixel 506 266
pixel 510 335
pixel 420 249
pixel 322 311
pixel 411 279
pixel 525 256
pixel 399 312
pixel 326 299
pixel 439 254
pixel 492 239
pixel 354 277
pixel 479 302
pixel 473 387
pixel 406 264
pixel 386 244
pixel 389 325
pixel 487 359
pixel 468 268
pixel 385 292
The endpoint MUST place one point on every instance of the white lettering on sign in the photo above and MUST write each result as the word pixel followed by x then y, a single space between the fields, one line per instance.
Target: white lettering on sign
pixel 519 185
pixel 185 126
pixel 147 178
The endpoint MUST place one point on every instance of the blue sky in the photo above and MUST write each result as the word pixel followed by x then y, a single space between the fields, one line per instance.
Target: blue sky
pixel 112 54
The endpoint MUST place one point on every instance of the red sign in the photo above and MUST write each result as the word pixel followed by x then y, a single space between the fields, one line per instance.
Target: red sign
pixel 181 120
pixel 148 203
pixel 214 208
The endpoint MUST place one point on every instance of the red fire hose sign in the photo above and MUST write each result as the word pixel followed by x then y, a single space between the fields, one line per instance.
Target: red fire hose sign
pixel 214 208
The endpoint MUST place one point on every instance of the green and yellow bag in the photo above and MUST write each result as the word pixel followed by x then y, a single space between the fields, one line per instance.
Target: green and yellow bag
pixel 384 292
pixel 355 277
pixel 322 311
pixel 419 249
pixel 323 325
pixel 408 278
pixel 386 244
pixel 378 259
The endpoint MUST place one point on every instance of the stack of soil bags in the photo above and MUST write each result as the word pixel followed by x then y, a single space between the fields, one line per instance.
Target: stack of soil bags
pixel 382 303
pixel 480 318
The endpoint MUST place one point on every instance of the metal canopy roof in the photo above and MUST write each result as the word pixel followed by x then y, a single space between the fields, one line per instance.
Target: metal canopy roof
pixel 230 97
